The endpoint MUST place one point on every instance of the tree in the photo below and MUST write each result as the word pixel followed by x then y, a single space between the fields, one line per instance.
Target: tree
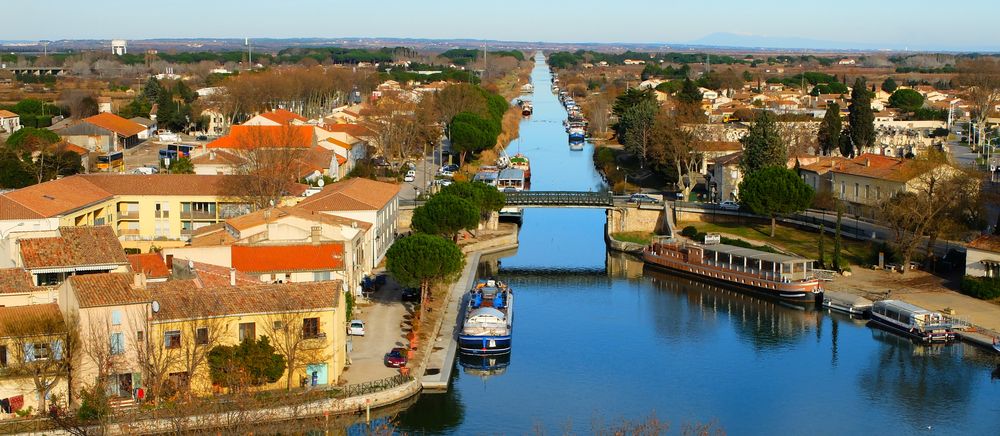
pixel 981 77
pixel 861 118
pixel 445 215
pixel 829 130
pixel 53 162
pixel 254 362
pixel 30 139
pixel 154 357
pixel 13 175
pixel 268 158
pixel 889 85
pixel 38 344
pixel 763 146
pixel 291 332
pixel 636 126
pixel 471 133
pixel 198 337
pixel 181 165
pixel 836 238
pixel 774 191
pixel 422 260
pixel 486 198
pixel 907 100
pixel 629 99
pixel 689 93
pixel 822 247
pixel 457 98
pixel 673 146
pixel 152 89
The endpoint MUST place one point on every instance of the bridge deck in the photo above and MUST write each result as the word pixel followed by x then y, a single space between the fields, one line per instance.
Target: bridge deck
pixel 560 198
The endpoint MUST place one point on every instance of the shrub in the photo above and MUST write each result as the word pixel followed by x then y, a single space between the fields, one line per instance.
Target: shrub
pixel 983 288
pixel 689 231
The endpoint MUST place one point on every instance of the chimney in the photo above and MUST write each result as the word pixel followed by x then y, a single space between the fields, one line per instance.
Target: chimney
pixel 315 234
pixel 170 263
pixel 232 276
pixel 211 155
pixel 868 162
pixel 139 280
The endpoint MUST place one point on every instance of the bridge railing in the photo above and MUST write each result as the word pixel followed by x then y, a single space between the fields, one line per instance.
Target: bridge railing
pixel 559 198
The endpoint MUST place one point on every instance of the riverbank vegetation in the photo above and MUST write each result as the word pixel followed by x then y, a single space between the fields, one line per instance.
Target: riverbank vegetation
pixel 644 238
pixel 800 242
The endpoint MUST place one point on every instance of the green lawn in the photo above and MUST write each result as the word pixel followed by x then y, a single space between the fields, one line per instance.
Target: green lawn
pixel 802 243
pixel 643 238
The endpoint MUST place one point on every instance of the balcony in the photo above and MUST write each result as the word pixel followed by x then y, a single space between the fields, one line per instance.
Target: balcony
pixel 128 215
pixel 198 215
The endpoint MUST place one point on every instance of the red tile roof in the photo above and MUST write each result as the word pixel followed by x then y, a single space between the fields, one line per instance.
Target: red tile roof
pixel 76 246
pixel 185 302
pixel 31 320
pixel 107 289
pixel 55 197
pixel 351 194
pixel 284 258
pixel 282 116
pixel 7 114
pixel 16 281
pixel 986 243
pixel 880 167
pixel 249 137
pixel 149 263
pixel 115 123
pixel 355 130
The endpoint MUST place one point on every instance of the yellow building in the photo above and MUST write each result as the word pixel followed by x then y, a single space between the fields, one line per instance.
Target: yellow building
pixel 32 369
pixel 304 320
pixel 145 210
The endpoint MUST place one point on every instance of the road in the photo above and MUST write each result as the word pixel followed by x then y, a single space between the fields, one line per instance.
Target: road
pixel 386 322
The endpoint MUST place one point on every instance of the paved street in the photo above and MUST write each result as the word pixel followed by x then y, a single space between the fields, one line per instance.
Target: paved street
pixel 385 318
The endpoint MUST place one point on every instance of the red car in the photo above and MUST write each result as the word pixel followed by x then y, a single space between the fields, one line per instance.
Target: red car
pixel 395 358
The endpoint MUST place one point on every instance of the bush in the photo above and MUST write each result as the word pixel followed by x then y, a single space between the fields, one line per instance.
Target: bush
pixel 689 231
pixel 983 288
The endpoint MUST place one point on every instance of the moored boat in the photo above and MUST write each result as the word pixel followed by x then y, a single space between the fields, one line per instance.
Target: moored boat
pixel 847 303
pixel 775 275
pixel 527 109
pixel 488 319
pixel 527 88
pixel 521 162
pixel 909 320
pixel 577 134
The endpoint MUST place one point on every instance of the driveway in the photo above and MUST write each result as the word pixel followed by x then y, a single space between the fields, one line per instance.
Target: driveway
pixel 386 324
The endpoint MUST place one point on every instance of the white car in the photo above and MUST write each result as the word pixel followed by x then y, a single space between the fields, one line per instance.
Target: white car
pixel 731 205
pixel 410 176
pixel 357 328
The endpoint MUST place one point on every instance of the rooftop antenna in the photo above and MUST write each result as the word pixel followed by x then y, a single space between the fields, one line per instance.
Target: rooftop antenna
pixel 246 42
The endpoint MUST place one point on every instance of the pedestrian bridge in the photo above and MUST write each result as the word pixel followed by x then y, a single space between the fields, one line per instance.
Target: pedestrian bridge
pixel 602 200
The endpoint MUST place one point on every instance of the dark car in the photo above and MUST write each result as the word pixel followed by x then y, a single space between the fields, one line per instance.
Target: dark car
pixel 201 138
pixel 395 358
pixel 411 294
pixel 642 198
pixel 380 161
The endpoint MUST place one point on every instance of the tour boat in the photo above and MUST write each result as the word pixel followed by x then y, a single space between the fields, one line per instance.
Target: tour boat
pixel 527 109
pixel 775 275
pixel 577 134
pixel 909 320
pixel 846 303
pixel 488 319
pixel 520 161
pixel 527 88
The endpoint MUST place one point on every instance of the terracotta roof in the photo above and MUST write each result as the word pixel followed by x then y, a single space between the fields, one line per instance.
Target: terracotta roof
pixel 355 130
pixel 986 243
pixel 149 263
pixel 35 319
pixel 879 167
pixel 266 137
pixel 7 114
pixel 107 289
pixel 207 275
pixel 216 157
pixel 351 194
pixel 824 164
pixel 185 302
pixel 718 146
pixel 115 123
pixel 73 147
pixel 729 158
pixel 56 197
pixel 76 246
pixel 16 281
pixel 12 210
pixel 259 217
pixel 282 116
pixel 163 184
pixel 298 257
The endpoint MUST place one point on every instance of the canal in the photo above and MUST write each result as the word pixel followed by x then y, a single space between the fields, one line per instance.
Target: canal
pixel 599 340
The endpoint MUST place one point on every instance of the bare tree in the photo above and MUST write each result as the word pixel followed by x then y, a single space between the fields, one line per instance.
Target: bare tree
pixel 401 128
pixel 675 145
pixel 269 159
pixel 297 335
pixel 41 344
pixel 198 337
pixel 155 357
pixel 981 77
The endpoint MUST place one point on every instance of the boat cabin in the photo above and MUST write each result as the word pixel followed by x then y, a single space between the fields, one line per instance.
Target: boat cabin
pixel 511 178
pixel 770 266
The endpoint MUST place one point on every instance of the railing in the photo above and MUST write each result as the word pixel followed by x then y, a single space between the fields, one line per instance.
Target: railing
pixel 559 198
pixel 374 386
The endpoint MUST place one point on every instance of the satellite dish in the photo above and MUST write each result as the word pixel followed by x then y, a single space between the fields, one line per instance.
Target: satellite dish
pixel 320 183
pixel 156 306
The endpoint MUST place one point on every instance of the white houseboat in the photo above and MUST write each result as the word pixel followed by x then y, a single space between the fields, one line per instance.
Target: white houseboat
pixel 915 322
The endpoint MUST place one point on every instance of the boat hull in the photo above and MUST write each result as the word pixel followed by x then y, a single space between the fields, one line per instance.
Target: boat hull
pixel 916 335
pixel 484 344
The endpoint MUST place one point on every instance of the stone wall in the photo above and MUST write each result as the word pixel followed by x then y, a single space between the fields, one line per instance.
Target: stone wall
pixel 634 219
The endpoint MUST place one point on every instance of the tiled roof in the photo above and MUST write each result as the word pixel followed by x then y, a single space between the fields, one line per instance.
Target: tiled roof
pixel 259 217
pixel 282 116
pixel 185 302
pixel 149 263
pixel 12 210
pixel 265 137
pixel 7 114
pixel 164 184
pixel 355 130
pixel 58 196
pixel 106 289
pixel 216 157
pixel 115 123
pixel 207 275
pixel 986 243
pixel 824 164
pixel 879 167
pixel 76 246
pixel 299 257
pixel 35 319
pixel 15 281
pixel 352 194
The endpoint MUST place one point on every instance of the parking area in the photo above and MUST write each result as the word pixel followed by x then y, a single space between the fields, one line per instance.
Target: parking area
pixel 387 321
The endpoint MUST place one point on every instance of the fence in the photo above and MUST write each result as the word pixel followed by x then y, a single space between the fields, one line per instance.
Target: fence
pixel 374 386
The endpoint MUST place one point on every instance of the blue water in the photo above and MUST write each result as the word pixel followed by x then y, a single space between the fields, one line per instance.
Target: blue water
pixel 598 340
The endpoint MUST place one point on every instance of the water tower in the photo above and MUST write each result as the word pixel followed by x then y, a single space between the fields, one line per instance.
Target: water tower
pixel 118 47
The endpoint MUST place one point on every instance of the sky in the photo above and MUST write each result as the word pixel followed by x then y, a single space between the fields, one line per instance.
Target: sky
pixel 914 24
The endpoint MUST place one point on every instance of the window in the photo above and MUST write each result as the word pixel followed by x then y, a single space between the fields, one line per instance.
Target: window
pixel 140 336
pixel 116 317
pixel 117 343
pixel 867 192
pixel 857 187
pixel 172 339
pixel 878 192
pixel 201 336
pixel 321 276
pixel 277 325
pixel 247 331
pixel 843 189
pixel 3 356
pixel 310 327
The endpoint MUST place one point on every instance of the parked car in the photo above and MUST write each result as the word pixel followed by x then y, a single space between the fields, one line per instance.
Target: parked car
pixel 642 198
pixel 451 168
pixel 380 161
pixel 201 138
pixel 411 294
pixel 357 328
pixel 395 358
pixel 446 173
pixel 730 205
pixel 410 176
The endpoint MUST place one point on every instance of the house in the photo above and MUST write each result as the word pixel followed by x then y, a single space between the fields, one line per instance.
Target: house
pixel 52 257
pixel 110 312
pixel 9 121
pixel 816 174
pixel 982 257
pixel 256 136
pixel 103 104
pixel 151 265
pixel 376 203
pixel 32 366
pixel 306 318
pixel 143 210
pixel 712 150
pixel 218 123
pixel 865 180
pixel 17 288
pixel 149 124
pixel 103 132
pixel 278 117
pixel 847 61
pixel 726 177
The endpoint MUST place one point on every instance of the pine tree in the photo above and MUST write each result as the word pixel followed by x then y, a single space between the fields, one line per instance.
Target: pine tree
pixel 861 117
pixel 889 85
pixel 689 93
pixel 829 130
pixel 763 146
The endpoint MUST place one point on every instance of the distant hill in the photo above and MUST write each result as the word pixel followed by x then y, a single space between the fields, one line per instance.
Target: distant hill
pixel 725 39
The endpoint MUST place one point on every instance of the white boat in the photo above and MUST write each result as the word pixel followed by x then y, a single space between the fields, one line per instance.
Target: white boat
pixel 847 303
pixel 915 322
pixel 488 319
pixel 527 88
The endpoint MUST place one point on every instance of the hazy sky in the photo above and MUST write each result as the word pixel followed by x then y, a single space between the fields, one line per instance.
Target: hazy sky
pixel 958 24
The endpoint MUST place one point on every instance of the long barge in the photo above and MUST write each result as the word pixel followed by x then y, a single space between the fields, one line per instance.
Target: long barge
pixel 775 275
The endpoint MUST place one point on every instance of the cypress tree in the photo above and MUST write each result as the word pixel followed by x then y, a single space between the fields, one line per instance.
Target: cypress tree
pixel 861 117
pixel 836 241
pixel 763 146
pixel 821 260
pixel 829 130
